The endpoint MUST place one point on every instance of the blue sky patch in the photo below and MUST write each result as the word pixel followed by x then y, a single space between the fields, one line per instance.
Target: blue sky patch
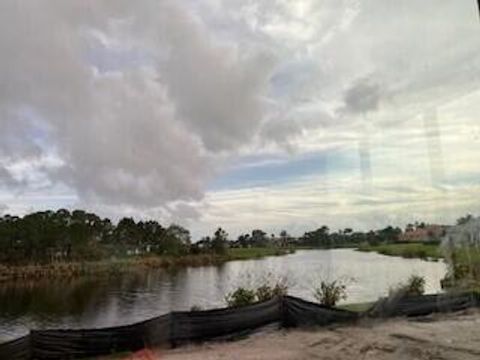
pixel 270 170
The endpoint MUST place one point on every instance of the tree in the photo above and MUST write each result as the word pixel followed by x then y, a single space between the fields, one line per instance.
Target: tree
pixel 317 238
pixel 176 240
pixel 219 242
pixel 204 244
pixel 244 240
pixel 84 233
pixel 48 236
pixel 464 219
pixel 372 238
pixel 127 233
pixel 181 233
pixel 259 238
pixel 389 234
pixel 284 238
pixel 152 234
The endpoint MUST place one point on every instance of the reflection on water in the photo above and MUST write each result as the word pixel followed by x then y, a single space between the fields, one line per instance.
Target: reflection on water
pixel 99 302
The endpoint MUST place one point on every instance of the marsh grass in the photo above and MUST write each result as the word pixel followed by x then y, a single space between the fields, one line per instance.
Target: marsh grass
pixel 256 252
pixel 114 267
pixel 406 250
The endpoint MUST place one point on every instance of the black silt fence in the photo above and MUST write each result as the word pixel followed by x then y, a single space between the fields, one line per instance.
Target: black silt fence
pixel 74 344
pixel 423 304
pixel 182 327
pixel 17 349
pixel 298 312
pixel 210 324
pixel 170 330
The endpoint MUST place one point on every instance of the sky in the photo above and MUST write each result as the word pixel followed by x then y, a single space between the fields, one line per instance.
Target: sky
pixel 247 114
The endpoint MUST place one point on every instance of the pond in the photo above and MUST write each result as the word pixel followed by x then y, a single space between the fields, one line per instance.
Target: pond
pixel 98 302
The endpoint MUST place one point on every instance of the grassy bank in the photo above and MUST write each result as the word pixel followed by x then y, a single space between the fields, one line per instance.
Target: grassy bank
pixel 328 247
pixel 113 267
pixel 410 250
pixel 256 253
pixel 464 262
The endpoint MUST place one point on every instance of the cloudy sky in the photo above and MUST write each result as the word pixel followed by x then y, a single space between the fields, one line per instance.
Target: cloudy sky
pixel 275 114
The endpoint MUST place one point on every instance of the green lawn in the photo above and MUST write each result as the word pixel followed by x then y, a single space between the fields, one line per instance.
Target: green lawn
pixel 255 252
pixel 410 250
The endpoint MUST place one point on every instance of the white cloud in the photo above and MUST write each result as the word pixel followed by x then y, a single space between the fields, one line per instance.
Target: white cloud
pixel 134 107
pixel 136 136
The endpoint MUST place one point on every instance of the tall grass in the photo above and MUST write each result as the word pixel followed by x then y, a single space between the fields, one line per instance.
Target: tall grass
pixel 406 250
pixel 256 252
pixel 463 262
pixel 463 268
pixel 112 267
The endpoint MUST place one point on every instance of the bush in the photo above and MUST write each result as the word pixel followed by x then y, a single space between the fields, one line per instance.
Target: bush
pixel 330 293
pixel 267 292
pixel 240 297
pixel 414 286
pixel 264 293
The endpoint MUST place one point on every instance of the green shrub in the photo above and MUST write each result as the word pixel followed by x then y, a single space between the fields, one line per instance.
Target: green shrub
pixel 264 293
pixel 329 293
pixel 240 297
pixel 267 292
pixel 414 286
pixel 243 296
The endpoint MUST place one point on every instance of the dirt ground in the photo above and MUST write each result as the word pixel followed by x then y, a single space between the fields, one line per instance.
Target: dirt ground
pixel 439 337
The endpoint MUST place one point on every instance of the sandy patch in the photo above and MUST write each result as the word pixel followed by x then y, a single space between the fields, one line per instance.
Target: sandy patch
pixel 451 336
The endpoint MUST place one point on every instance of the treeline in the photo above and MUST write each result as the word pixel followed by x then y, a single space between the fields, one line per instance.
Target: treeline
pixel 323 238
pixel 63 235
pixel 48 236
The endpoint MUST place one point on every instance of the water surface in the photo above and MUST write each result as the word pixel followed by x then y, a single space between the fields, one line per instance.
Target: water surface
pixel 98 302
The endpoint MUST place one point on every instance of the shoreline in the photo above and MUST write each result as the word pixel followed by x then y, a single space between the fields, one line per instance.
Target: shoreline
pixel 113 267
pixel 430 252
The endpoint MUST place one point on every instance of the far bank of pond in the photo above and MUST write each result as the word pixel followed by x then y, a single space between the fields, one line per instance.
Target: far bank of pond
pixel 132 264
pixel 111 267
pixel 406 250
pixel 101 301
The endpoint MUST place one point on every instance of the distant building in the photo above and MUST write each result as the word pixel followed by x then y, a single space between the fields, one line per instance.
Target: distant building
pixel 425 233
pixel 465 234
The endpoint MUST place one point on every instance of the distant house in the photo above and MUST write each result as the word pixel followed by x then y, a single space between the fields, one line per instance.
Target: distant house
pixel 465 234
pixel 425 233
